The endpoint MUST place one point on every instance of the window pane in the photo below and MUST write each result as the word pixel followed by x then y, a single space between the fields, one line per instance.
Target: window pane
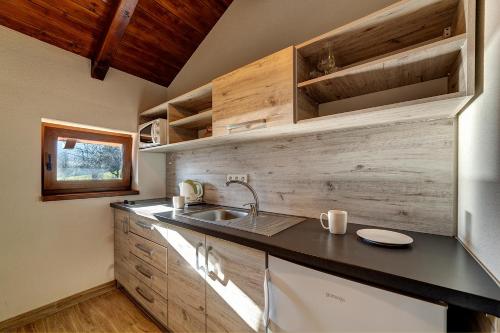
pixel 88 160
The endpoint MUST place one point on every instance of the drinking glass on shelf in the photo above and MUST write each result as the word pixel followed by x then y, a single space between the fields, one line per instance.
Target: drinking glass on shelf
pixel 326 63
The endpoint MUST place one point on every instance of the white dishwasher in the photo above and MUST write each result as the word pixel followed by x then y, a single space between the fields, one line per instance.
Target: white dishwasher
pixel 305 300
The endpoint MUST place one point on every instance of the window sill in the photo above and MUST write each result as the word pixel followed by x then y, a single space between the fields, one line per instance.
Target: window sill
pixel 73 196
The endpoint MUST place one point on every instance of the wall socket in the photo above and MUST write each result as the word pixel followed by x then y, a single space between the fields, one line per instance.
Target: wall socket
pixel 240 177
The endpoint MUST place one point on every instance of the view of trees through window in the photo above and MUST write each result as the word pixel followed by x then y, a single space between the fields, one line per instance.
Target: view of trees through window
pixel 87 160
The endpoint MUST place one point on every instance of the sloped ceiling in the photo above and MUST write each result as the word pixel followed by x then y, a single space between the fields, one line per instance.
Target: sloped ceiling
pixel 156 40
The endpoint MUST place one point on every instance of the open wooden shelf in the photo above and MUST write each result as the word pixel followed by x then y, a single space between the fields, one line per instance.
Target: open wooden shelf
pixel 437 107
pixel 414 64
pixel 403 24
pixel 190 115
pixel 159 111
pixel 195 100
pixel 198 120
pixel 386 57
pixel 198 99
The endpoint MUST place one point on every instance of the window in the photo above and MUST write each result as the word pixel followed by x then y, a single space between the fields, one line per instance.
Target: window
pixel 78 163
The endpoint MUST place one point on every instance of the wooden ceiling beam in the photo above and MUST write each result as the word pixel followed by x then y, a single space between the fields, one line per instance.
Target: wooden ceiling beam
pixel 111 40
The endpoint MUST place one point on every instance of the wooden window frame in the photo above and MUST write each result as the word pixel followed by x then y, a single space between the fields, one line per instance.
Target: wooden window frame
pixel 52 189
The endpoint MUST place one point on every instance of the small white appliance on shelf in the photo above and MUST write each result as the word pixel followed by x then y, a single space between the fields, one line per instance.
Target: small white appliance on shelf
pixel 153 133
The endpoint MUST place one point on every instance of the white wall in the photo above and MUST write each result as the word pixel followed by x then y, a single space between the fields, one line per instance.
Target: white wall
pixel 51 250
pixel 479 148
pixel 252 29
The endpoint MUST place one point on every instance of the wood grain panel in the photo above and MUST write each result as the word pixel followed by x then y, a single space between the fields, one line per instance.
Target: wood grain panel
pixel 200 15
pixel 235 292
pixel 186 281
pixel 121 249
pixel 262 90
pixel 49 24
pixel 149 275
pixel 156 305
pixel 112 38
pixel 160 38
pixel 111 312
pixel 149 228
pixel 398 176
pixel 418 64
pixel 384 30
pixel 40 319
pixel 148 251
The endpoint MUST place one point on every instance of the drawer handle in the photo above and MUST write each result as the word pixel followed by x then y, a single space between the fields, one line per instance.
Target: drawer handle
pixel 144 249
pixel 266 298
pixel 197 254
pixel 246 125
pixel 140 292
pixel 125 225
pixel 141 270
pixel 145 225
pixel 214 275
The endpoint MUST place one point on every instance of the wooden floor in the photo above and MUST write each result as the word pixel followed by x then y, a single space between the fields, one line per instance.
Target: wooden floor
pixel 111 312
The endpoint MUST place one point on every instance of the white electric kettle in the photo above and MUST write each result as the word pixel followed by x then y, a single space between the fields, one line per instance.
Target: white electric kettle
pixel 191 190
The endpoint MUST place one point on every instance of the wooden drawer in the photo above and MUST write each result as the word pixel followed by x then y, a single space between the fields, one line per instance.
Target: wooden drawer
pixel 148 251
pixel 156 305
pixel 148 228
pixel 149 275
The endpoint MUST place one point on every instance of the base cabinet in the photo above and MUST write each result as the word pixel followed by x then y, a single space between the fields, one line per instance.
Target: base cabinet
pixel 121 228
pixel 154 303
pixel 141 260
pixel 198 283
pixel 213 285
pixel 235 292
pixel 186 280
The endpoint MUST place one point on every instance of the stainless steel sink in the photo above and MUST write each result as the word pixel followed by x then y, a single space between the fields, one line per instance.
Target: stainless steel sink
pixel 264 224
pixel 217 215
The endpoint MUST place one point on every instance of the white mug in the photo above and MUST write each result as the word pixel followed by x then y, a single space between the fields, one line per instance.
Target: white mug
pixel 337 221
pixel 178 202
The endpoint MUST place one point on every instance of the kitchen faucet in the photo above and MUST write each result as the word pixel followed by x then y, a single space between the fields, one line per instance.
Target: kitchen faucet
pixel 254 207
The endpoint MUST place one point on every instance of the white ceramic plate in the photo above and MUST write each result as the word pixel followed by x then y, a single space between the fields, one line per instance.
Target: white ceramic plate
pixel 384 237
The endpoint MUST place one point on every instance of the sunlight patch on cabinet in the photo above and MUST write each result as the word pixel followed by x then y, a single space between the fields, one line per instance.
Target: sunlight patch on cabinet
pixel 240 302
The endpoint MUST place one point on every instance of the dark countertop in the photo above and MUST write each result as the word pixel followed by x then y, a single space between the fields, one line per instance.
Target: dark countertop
pixel 434 268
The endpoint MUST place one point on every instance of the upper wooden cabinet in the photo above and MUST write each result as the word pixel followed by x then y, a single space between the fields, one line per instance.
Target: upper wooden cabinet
pixel 186 280
pixel 255 96
pixel 413 60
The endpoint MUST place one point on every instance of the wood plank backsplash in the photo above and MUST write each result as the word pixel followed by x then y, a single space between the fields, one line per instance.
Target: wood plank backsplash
pixel 398 176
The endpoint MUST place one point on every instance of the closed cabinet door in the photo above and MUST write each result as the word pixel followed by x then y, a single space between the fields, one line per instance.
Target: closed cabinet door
pixel 121 229
pixel 186 280
pixel 255 96
pixel 235 287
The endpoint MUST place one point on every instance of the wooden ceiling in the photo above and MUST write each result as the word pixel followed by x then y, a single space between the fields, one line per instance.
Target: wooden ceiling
pixel 152 39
